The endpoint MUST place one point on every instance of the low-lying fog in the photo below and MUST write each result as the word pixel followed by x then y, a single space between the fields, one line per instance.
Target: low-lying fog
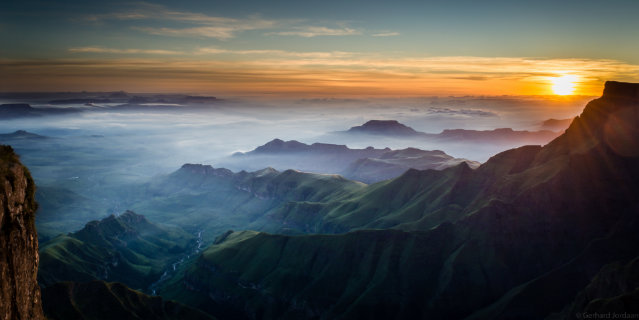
pixel 162 140
pixel 97 150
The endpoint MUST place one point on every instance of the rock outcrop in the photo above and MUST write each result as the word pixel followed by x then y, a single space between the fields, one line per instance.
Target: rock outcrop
pixel 19 290
pixel 369 165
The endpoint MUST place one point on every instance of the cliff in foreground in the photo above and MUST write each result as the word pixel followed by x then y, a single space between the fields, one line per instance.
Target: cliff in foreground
pixel 19 290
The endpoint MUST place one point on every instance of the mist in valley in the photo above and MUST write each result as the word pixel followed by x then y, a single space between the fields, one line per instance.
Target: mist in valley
pixel 98 154
pixel 90 161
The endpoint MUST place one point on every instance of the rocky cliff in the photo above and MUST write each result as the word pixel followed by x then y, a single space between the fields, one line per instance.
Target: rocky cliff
pixel 19 291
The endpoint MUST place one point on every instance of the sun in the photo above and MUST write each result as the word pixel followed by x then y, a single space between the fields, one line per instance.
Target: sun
pixel 564 85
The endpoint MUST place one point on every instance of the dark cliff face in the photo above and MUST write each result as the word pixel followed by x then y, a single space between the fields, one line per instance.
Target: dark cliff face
pixel 19 291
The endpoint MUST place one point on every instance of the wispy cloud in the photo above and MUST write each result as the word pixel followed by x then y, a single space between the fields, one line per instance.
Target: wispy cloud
pixel 218 27
pixel 221 33
pixel 202 25
pixel 461 112
pixel 280 53
pixel 148 11
pixel 385 34
pixel 314 31
pixel 268 53
pixel 123 51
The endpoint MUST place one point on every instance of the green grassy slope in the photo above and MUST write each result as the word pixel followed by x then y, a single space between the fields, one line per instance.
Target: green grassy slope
pixel 199 197
pixel 417 200
pixel 362 274
pixel 126 248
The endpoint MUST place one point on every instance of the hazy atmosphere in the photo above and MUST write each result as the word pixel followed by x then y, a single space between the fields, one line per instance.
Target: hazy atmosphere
pixel 319 160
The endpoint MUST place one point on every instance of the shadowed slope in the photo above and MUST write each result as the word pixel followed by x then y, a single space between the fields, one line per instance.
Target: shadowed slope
pixel 198 197
pixel 126 248
pixel 368 165
pixel 101 300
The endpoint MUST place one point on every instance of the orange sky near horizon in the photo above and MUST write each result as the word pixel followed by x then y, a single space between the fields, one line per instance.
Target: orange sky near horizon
pixel 314 74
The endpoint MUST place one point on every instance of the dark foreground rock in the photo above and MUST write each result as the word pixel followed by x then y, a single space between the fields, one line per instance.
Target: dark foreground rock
pixel 19 290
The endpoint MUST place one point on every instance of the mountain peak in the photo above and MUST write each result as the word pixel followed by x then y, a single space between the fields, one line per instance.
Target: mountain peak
pixel 130 217
pixel 120 228
pixel 612 120
pixel 382 122
pixel 265 171
pixel 597 111
pixel 203 170
pixel 625 90
pixel 21 134
pixel 278 145
pixel 392 127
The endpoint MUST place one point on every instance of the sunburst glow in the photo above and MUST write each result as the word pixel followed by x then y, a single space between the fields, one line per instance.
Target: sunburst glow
pixel 564 85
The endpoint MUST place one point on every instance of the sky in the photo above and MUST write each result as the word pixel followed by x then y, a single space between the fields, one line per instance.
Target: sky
pixel 319 48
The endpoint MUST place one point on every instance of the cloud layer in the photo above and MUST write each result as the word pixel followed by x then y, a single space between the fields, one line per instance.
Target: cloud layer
pixel 314 31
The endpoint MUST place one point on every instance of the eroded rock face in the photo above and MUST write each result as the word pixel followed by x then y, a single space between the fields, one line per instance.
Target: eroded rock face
pixel 19 290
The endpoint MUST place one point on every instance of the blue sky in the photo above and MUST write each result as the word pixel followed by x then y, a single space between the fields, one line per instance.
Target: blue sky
pixel 280 41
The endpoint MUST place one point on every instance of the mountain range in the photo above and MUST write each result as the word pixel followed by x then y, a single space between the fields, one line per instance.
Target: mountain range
pixel 530 234
pixel 536 232
pixel 393 128
pixel 200 197
pixel 125 248
pixel 74 270
pixel 24 110
pixel 368 165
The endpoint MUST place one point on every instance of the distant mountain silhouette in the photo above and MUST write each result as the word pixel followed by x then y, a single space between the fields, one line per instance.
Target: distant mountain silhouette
pixel 24 110
pixel 20 134
pixel 368 165
pixel 277 145
pixel 500 135
pixel 17 110
pixel 385 127
pixel 80 101
pixel 394 129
